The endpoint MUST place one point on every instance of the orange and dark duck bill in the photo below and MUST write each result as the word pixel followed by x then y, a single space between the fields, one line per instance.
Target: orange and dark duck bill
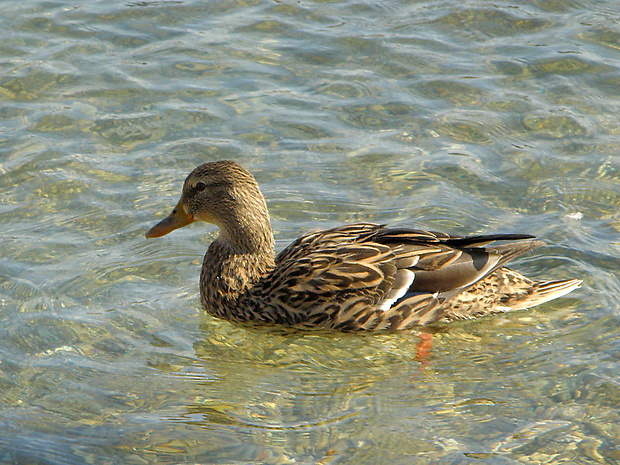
pixel 175 220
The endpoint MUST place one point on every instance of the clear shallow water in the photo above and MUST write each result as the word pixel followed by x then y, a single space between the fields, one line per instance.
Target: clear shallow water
pixel 460 116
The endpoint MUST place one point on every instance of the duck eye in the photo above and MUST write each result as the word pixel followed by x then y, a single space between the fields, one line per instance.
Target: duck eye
pixel 200 186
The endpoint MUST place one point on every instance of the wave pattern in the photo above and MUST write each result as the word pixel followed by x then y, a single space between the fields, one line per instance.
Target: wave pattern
pixel 460 116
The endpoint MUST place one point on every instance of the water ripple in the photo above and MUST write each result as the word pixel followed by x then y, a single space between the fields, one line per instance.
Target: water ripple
pixel 467 118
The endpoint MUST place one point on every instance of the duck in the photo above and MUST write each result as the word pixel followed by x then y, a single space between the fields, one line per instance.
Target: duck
pixel 355 277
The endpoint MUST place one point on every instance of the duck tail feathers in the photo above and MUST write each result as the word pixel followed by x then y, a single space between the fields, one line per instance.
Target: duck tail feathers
pixel 545 291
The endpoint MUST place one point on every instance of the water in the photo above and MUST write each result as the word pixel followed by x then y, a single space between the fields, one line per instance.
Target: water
pixel 467 117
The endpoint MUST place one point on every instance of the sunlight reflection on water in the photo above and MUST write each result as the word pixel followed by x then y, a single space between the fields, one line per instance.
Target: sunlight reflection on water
pixel 463 118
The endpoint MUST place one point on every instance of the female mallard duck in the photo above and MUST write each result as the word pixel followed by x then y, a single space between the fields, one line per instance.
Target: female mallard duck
pixel 358 277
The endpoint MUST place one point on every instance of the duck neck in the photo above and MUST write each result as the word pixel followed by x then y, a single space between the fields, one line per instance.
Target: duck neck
pixel 241 255
pixel 250 235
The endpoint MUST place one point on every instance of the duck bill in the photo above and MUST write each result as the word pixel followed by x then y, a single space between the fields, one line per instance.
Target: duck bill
pixel 175 220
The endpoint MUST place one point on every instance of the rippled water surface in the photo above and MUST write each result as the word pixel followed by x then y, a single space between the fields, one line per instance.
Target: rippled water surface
pixel 463 116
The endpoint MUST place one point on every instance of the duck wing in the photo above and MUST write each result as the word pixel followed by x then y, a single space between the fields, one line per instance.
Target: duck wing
pixel 367 276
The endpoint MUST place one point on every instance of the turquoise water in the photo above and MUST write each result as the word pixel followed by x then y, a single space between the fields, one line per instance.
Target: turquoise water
pixel 467 117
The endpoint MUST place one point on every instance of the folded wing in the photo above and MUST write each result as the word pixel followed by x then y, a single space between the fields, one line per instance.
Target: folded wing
pixel 366 276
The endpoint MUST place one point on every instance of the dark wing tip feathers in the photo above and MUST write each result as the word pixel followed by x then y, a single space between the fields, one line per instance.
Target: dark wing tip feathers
pixel 486 239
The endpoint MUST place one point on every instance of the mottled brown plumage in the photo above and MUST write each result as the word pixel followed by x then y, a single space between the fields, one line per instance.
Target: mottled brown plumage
pixel 356 277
